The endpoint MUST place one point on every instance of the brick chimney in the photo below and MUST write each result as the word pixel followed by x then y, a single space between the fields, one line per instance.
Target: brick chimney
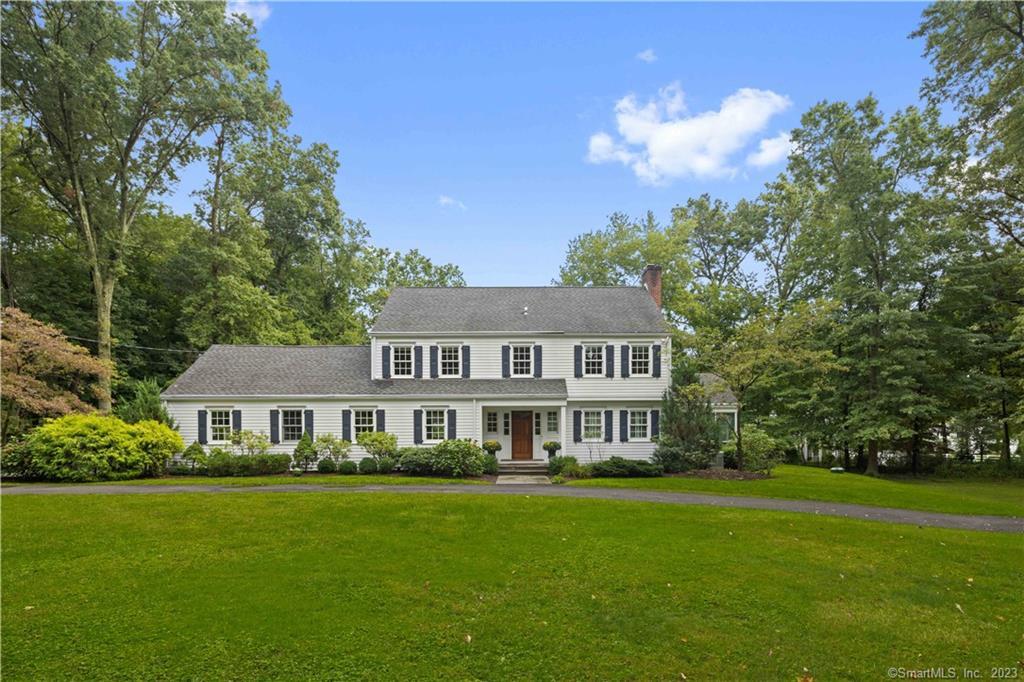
pixel 651 279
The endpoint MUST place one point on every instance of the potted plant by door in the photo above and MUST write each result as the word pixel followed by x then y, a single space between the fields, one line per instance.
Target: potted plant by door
pixel 551 447
pixel 491 447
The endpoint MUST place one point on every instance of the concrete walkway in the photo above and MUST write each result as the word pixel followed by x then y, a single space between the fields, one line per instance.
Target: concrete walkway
pixel 1002 524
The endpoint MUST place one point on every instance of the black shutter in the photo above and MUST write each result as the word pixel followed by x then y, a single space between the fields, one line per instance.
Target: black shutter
pixel 275 427
pixel 623 426
pixel 577 425
pixel 236 420
pixel 346 425
pixel 465 362
pixel 417 426
pixel 380 420
pixel 201 421
pixel 506 369
pixel 578 361
pixel 451 424
pixel 607 426
pixel 417 352
pixel 655 430
pixel 385 354
pixel 656 360
pixel 538 358
pixel 625 360
pixel 433 362
pixel 609 361
pixel 309 422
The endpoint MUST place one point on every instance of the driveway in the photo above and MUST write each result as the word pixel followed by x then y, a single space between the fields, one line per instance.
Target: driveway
pixel 1002 524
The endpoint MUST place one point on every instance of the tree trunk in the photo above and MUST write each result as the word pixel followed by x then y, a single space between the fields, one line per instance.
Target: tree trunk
pixel 104 290
pixel 872 467
pixel 846 454
pixel 1004 418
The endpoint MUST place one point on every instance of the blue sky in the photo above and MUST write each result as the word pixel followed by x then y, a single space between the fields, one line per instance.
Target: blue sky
pixel 496 108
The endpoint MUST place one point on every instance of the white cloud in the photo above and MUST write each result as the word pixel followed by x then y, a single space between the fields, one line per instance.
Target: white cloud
pixel 660 142
pixel 259 12
pixel 771 150
pixel 647 56
pixel 445 201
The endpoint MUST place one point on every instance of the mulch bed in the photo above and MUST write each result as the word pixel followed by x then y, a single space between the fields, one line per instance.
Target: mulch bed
pixel 720 475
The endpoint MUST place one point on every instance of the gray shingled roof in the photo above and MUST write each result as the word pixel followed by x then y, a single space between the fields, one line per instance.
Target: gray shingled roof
pixel 327 370
pixel 573 310
pixel 717 391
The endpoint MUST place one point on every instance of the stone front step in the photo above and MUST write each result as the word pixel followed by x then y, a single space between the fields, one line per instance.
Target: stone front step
pixel 524 467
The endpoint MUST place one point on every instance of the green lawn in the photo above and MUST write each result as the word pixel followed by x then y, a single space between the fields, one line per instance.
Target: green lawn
pixel 1002 498
pixel 435 586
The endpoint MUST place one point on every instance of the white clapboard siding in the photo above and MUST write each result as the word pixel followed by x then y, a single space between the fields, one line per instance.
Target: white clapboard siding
pixel 558 363
pixel 398 418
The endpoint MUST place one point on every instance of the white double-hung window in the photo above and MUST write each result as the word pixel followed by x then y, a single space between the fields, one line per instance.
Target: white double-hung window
pixel 363 421
pixel 434 424
pixel 592 425
pixel 522 361
pixel 639 361
pixel 291 425
pixel 220 426
pixel 593 360
pixel 451 360
pixel 401 361
pixel 638 425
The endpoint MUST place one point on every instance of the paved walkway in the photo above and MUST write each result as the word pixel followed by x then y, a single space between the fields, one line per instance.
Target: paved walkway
pixel 1002 524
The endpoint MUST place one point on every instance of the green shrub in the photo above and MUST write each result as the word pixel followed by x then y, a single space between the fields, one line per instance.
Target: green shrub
pixel 989 468
pixel 673 457
pixel 329 446
pixel 551 447
pixel 559 464
pixel 158 443
pixel 89 447
pixel 304 454
pixel 347 467
pixel 247 442
pixel 491 447
pixel 490 464
pixel 220 462
pixel 558 479
pixel 368 465
pixel 16 460
pixel 760 452
pixel 417 461
pixel 194 457
pixel 326 466
pixel 386 465
pixel 617 467
pixel 143 403
pixel 378 443
pixel 458 458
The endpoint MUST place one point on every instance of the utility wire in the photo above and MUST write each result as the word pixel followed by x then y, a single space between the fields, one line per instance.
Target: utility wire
pixel 128 345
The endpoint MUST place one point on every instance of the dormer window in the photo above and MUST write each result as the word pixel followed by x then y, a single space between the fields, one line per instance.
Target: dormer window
pixel 451 361
pixel 401 361
pixel 522 361
pixel 640 361
pixel 593 360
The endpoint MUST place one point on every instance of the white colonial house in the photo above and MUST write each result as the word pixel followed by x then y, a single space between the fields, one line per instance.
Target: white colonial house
pixel 584 366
